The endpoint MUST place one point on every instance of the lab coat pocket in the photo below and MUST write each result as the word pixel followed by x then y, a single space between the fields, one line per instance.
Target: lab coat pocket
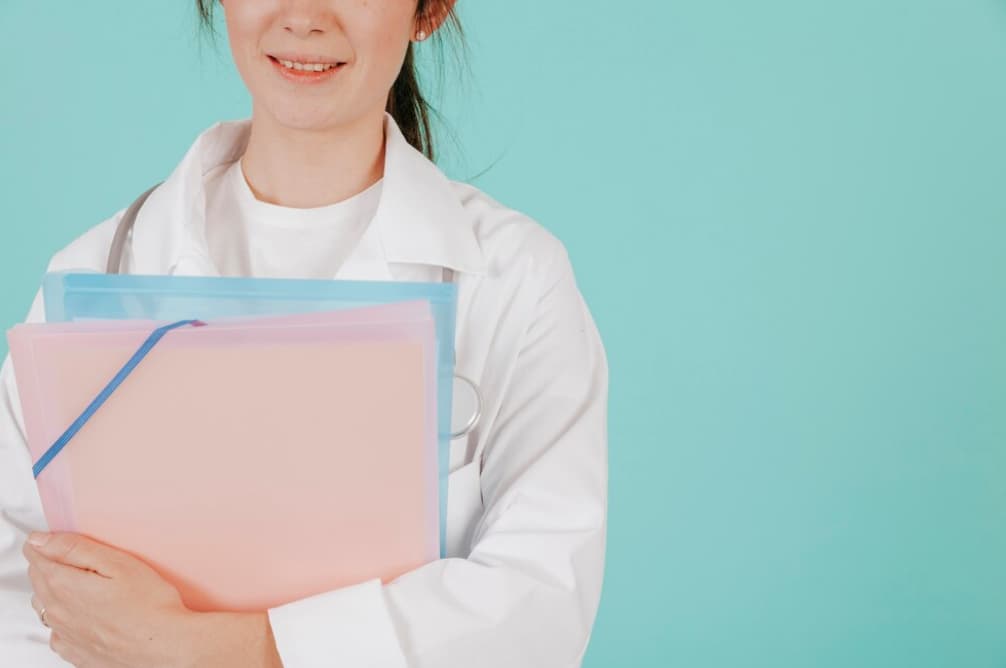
pixel 464 508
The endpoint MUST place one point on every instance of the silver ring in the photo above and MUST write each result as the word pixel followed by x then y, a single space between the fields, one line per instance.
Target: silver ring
pixel 41 616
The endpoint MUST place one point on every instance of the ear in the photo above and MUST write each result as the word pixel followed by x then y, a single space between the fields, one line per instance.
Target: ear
pixel 433 15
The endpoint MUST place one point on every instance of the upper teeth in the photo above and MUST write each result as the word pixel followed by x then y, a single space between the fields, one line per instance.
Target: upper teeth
pixel 317 67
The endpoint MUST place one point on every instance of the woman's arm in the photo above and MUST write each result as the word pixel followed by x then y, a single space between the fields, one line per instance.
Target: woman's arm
pixel 528 592
pixel 23 639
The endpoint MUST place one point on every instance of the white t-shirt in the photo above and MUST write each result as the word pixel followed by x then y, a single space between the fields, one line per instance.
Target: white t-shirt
pixel 249 237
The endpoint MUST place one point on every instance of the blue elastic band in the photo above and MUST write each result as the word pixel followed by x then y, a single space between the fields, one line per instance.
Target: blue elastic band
pixel 137 357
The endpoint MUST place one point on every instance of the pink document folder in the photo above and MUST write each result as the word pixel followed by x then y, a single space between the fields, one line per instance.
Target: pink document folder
pixel 250 462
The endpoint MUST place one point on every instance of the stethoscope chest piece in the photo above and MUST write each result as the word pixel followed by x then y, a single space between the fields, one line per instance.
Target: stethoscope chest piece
pixel 466 409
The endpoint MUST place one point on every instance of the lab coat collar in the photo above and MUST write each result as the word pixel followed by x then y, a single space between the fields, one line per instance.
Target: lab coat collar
pixel 419 219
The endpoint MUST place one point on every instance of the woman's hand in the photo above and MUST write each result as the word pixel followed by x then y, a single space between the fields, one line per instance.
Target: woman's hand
pixel 107 608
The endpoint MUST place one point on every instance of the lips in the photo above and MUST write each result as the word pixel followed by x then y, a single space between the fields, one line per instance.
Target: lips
pixel 315 58
pixel 305 69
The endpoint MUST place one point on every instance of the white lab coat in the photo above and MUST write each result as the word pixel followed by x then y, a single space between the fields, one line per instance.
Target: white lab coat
pixel 528 489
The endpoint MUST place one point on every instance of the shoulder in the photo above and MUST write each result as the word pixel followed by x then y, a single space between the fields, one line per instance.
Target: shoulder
pixel 215 146
pixel 88 251
pixel 511 240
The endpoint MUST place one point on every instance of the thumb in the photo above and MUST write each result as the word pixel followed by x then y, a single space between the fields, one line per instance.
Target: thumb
pixel 79 551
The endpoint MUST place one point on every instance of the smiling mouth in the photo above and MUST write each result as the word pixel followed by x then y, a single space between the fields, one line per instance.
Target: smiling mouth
pixel 297 66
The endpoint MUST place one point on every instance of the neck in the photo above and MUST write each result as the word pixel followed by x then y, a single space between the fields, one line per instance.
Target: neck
pixel 310 168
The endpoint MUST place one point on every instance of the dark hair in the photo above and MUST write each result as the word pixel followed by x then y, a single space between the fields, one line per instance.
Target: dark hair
pixel 406 103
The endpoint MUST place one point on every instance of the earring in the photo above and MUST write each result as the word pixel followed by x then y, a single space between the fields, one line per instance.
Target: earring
pixel 421 35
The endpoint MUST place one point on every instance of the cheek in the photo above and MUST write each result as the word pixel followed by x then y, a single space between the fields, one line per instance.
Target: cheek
pixel 386 41
pixel 388 54
pixel 245 23
pixel 382 27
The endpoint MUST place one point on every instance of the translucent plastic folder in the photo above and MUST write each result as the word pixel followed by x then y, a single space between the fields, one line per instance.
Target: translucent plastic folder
pixel 252 462
pixel 85 296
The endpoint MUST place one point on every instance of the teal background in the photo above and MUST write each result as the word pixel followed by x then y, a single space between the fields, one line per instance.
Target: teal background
pixel 789 220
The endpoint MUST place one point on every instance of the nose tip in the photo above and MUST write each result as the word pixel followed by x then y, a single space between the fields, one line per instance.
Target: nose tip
pixel 303 24
pixel 303 31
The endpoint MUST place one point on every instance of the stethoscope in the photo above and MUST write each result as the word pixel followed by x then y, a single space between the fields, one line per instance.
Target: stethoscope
pixel 467 399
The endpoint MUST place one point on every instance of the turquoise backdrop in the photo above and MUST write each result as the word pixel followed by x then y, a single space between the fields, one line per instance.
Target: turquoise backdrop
pixel 789 220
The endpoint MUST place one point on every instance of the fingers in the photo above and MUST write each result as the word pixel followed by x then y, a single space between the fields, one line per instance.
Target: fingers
pixel 44 619
pixel 63 590
pixel 64 649
pixel 73 549
pixel 57 589
pixel 36 606
pixel 39 569
pixel 43 595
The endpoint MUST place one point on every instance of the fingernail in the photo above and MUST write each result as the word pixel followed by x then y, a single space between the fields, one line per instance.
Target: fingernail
pixel 38 539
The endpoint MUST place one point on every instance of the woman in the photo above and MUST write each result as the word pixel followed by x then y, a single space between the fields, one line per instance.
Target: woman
pixel 328 178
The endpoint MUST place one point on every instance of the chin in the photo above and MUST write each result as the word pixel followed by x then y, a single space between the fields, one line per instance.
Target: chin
pixel 302 117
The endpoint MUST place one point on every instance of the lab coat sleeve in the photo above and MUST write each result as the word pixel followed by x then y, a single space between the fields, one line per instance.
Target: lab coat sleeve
pixel 528 592
pixel 23 639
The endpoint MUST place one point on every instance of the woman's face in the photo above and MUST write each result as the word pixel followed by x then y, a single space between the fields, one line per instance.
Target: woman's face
pixel 360 45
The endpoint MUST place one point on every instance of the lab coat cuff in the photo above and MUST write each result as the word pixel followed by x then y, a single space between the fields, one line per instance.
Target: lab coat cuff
pixel 345 627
